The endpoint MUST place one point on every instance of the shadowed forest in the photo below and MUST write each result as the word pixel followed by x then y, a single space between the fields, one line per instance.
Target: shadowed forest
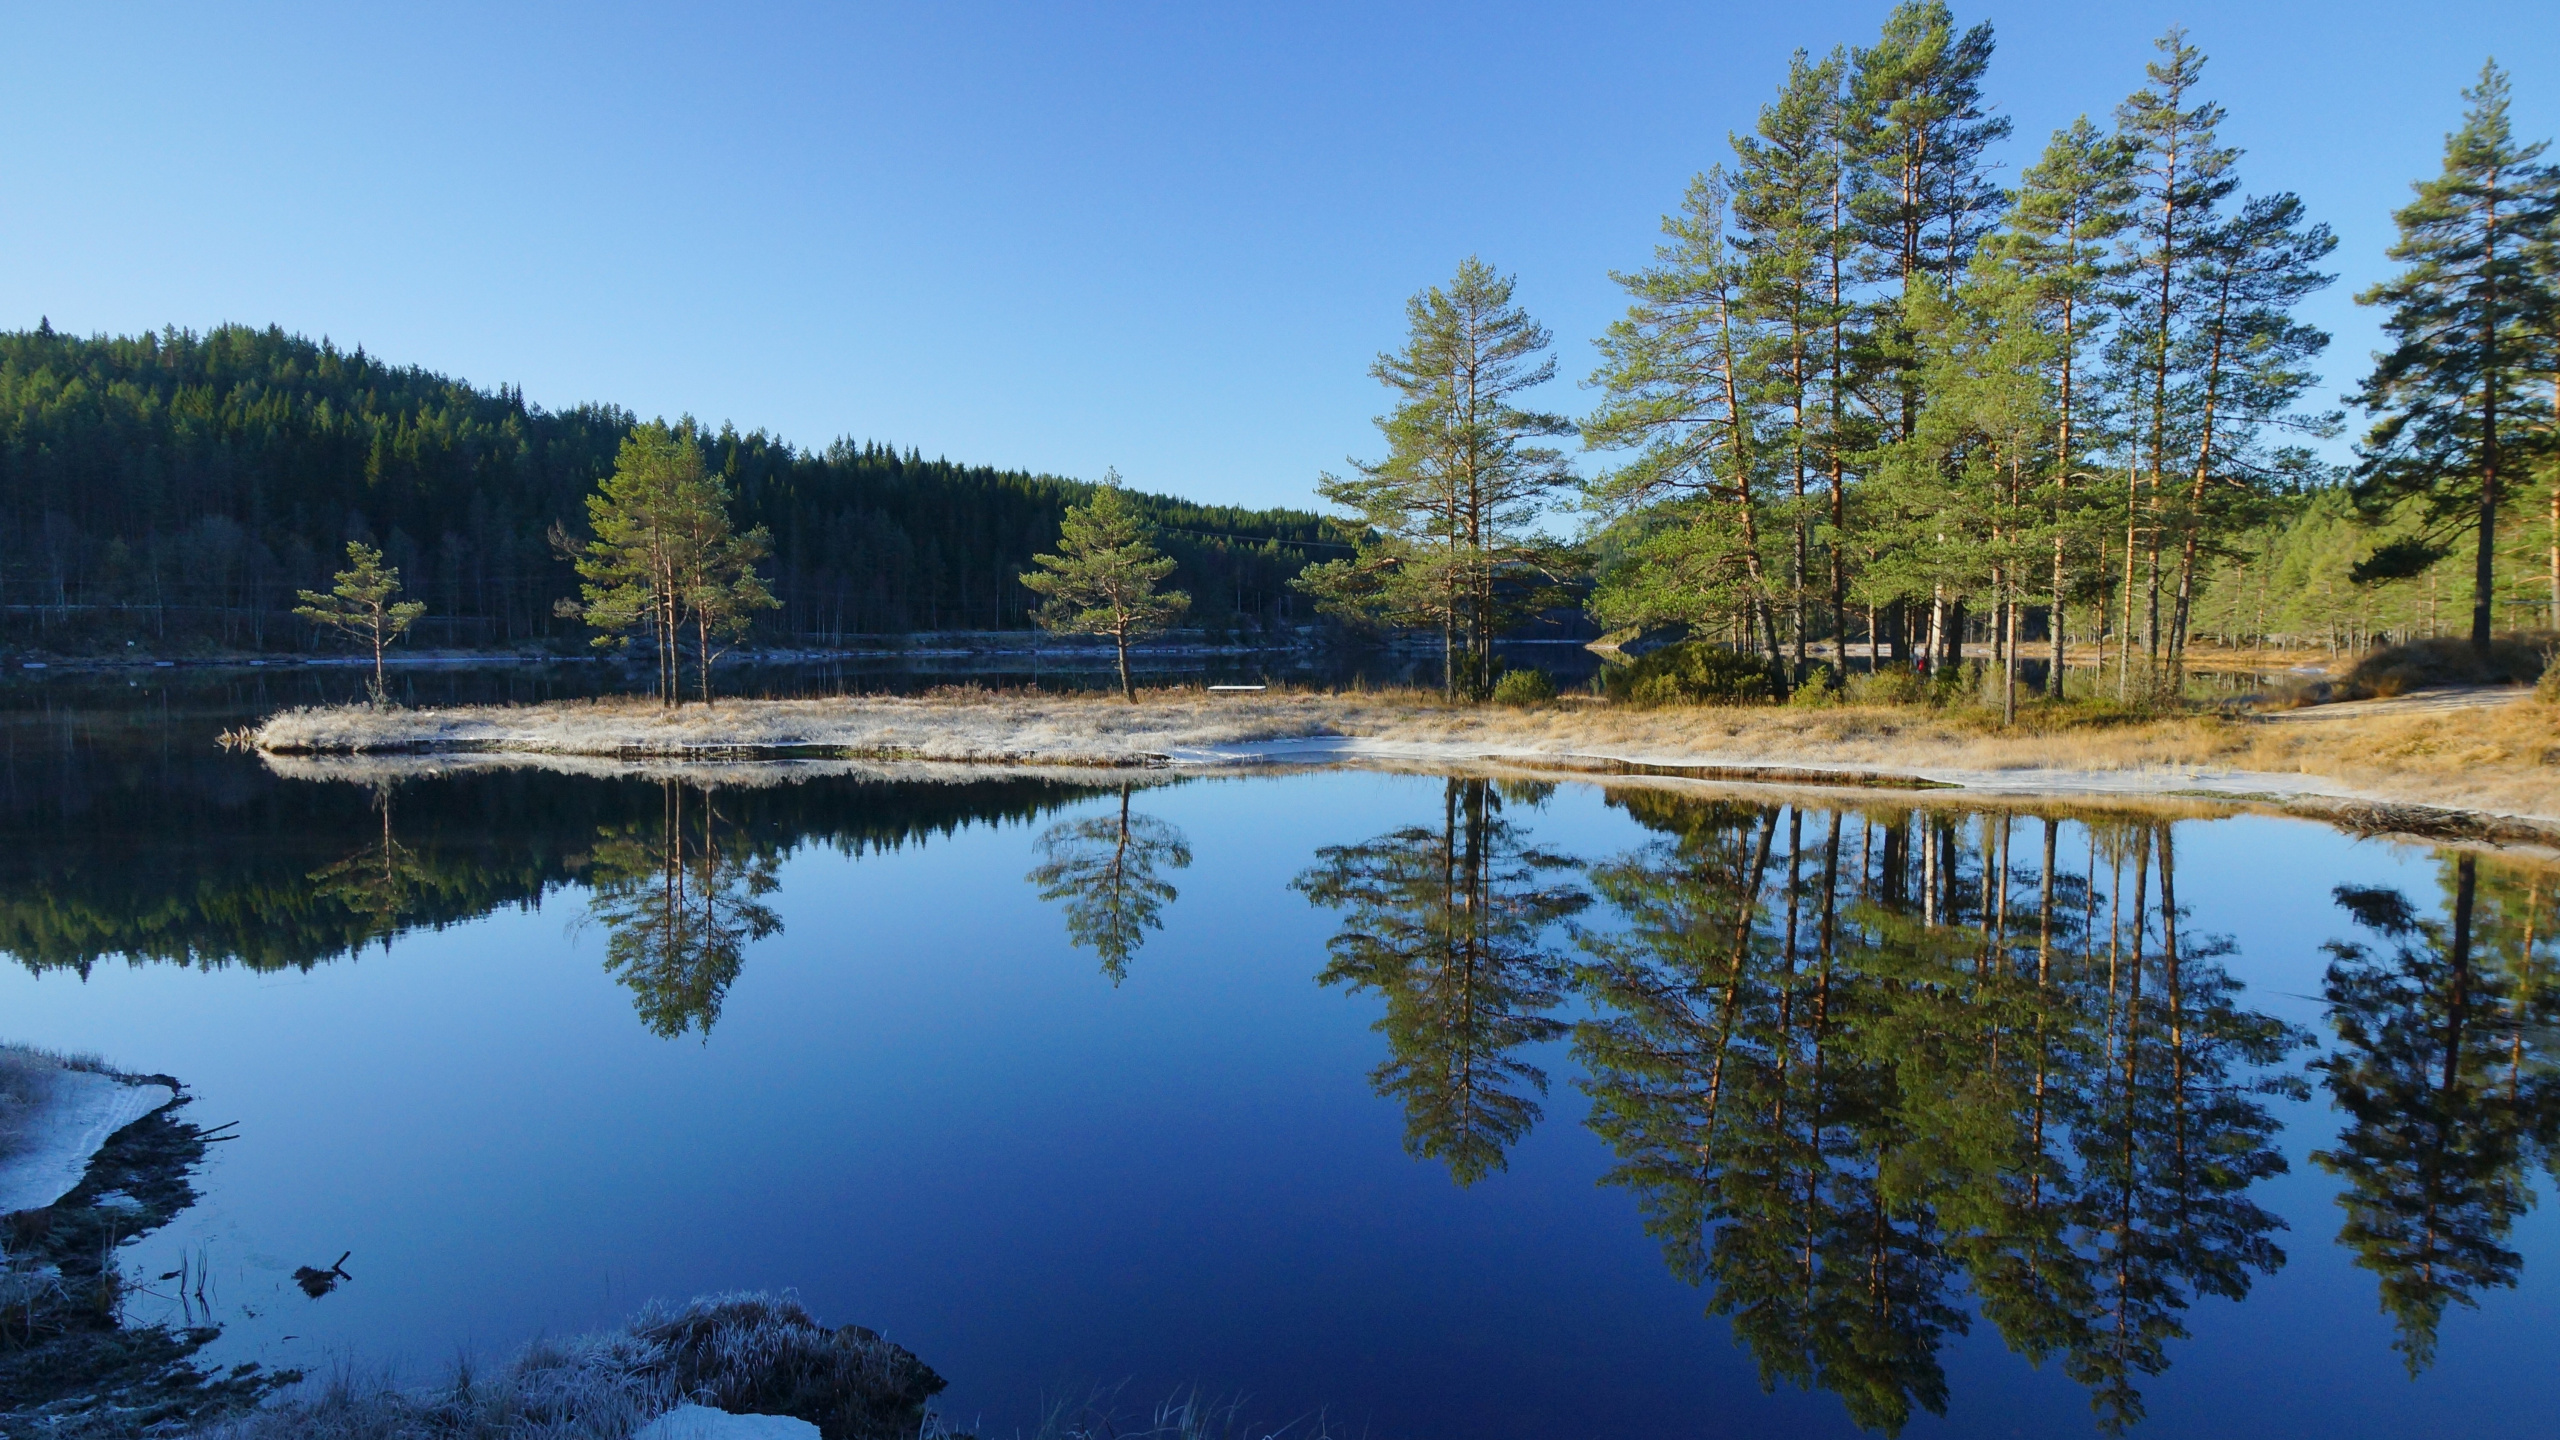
pixel 178 489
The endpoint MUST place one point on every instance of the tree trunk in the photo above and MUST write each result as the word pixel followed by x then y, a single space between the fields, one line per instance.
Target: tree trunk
pixel 1120 644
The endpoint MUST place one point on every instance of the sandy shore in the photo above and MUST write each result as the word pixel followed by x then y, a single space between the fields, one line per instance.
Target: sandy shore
pixel 2489 758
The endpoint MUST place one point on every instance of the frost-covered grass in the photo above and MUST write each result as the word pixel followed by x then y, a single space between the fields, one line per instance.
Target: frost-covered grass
pixel 752 1354
pixel 958 725
pixel 2495 757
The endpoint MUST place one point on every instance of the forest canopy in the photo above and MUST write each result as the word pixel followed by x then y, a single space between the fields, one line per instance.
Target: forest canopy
pixel 179 489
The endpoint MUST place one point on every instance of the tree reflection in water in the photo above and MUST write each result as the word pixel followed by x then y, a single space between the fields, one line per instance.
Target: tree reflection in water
pixel 1106 868
pixel 1849 1063
pixel 383 883
pixel 1448 923
pixel 680 899
pixel 2445 1073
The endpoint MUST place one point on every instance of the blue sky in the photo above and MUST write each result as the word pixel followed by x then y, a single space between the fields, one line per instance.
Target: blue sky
pixel 1163 238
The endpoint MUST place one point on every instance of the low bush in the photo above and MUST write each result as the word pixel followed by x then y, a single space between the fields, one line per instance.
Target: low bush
pixel 1889 685
pixel 2514 659
pixel 1526 686
pixel 1820 687
pixel 1692 673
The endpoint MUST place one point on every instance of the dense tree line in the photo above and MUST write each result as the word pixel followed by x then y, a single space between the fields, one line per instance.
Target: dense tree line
pixel 1866 394
pixel 182 487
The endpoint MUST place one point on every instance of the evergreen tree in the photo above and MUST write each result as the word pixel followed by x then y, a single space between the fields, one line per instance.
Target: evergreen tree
pixel 665 556
pixel 1788 184
pixel 1679 390
pixel 725 590
pixel 1922 130
pixel 2251 359
pixel 1451 507
pixel 1103 580
pixel 1961 506
pixel 360 605
pixel 2070 204
pixel 2468 317
pixel 2182 173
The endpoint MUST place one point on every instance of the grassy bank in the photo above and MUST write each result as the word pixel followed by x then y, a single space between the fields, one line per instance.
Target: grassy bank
pixel 2494 751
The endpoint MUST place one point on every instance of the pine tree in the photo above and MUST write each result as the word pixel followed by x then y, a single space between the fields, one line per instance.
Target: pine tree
pixel 1788 181
pixel 1103 580
pixel 665 556
pixel 360 605
pixel 2251 361
pixel 2460 414
pixel 2181 176
pixel 1926 199
pixel 2070 205
pixel 1452 505
pixel 1678 384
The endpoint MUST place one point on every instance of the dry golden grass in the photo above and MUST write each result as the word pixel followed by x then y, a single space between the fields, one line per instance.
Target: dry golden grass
pixel 2499 757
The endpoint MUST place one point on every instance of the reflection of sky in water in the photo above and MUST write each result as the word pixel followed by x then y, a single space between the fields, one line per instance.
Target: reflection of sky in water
pixel 929 1114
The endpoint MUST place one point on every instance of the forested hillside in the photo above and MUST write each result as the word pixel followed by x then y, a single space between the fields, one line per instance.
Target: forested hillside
pixel 177 489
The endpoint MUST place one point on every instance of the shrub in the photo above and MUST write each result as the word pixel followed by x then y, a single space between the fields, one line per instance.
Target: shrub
pixel 1526 686
pixel 1693 673
pixel 1889 685
pixel 2547 690
pixel 1819 687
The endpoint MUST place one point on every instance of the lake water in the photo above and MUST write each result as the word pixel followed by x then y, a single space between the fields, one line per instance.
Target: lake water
pixel 1446 1107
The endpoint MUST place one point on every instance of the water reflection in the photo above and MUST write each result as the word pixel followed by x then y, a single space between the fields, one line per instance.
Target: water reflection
pixel 1108 871
pixel 680 899
pixel 2444 1071
pixel 213 863
pixel 1843 1104
pixel 1449 924
pixel 1874 1076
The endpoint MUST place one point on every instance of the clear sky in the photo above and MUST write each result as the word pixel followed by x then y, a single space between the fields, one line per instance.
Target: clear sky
pixel 1163 238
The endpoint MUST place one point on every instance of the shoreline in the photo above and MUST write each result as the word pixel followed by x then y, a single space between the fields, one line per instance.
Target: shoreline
pixel 2477 765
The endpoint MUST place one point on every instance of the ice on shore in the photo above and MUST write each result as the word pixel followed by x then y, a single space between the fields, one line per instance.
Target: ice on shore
pixel 81 1109
pixel 701 1422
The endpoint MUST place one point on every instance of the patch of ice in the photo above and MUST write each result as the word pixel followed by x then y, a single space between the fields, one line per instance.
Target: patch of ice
pixel 701 1422
pixel 83 1111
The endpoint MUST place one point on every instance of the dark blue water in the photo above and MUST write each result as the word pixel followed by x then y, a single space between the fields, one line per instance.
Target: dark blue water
pixel 875 1050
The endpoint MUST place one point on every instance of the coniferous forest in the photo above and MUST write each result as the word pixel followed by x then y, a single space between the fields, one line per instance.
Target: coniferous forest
pixel 1878 388
pixel 178 489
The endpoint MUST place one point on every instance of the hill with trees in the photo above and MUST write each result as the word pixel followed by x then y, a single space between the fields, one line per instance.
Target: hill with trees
pixel 179 489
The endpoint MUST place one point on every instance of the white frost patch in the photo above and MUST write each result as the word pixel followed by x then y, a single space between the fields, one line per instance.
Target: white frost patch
pixel 701 1422
pixel 81 1112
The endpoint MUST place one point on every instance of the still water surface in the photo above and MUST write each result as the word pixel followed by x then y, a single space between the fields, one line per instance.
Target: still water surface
pixel 1446 1106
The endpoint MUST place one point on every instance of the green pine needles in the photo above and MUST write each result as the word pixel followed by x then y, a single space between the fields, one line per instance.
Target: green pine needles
pixel 2474 322
pixel 360 606
pixel 1103 579
pixel 665 560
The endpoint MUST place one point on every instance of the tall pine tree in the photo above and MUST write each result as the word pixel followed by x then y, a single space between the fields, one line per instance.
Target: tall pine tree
pixel 2460 414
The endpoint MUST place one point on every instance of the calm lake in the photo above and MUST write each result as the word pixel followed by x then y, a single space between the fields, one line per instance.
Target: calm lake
pixel 1445 1107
